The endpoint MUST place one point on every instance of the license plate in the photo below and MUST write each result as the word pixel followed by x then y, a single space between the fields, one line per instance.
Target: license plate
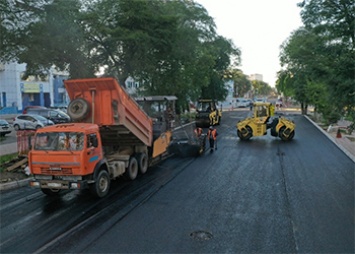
pixel 54 185
pixel 55 168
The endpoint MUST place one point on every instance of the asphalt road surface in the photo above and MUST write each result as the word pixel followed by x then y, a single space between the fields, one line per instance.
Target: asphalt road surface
pixel 8 138
pixel 261 196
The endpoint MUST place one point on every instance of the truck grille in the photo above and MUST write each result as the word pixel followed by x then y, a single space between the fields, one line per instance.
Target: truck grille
pixel 64 171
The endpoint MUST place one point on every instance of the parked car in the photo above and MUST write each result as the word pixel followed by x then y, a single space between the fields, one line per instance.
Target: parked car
pixel 260 100
pixel 250 102
pixel 63 108
pixel 242 103
pixel 30 122
pixel 55 115
pixel 25 110
pixel 5 127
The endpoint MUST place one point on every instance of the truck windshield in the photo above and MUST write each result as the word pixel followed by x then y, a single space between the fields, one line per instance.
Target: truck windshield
pixel 59 141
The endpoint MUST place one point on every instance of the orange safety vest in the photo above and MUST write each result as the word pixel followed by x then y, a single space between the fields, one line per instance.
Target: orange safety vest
pixel 212 134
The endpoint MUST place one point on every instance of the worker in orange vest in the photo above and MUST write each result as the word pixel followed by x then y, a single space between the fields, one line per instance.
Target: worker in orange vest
pixel 212 137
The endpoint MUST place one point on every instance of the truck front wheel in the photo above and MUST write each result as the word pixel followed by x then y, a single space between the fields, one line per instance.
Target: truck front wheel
pixel 51 192
pixel 102 184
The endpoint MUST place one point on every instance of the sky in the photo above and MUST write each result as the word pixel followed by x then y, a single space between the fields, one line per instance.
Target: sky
pixel 257 28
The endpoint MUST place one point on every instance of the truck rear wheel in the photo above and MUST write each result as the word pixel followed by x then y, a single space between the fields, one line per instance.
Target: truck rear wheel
pixel 132 169
pixel 102 184
pixel 142 159
pixel 78 109
pixel 51 192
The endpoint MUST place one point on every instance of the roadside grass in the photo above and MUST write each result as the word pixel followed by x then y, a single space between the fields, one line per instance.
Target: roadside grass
pixel 4 159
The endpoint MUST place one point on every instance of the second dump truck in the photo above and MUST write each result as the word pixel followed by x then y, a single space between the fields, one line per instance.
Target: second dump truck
pixel 110 136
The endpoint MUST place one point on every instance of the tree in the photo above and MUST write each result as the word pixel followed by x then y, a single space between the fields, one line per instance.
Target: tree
pixel 170 47
pixel 223 52
pixel 15 16
pixel 334 22
pixel 321 54
pixel 49 35
pixel 284 83
pixel 261 88
pixel 241 82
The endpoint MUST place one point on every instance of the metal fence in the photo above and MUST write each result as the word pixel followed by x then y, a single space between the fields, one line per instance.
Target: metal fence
pixel 25 139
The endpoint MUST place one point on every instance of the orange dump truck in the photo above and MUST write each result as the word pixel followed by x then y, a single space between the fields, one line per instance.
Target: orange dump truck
pixel 110 136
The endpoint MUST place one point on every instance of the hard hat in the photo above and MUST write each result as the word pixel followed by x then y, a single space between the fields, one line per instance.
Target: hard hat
pixel 211 127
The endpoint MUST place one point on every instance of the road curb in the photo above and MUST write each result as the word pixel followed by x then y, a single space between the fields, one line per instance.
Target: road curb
pixel 15 184
pixel 352 157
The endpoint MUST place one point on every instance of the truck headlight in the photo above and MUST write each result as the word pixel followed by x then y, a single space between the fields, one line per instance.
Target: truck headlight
pixel 34 184
pixel 75 186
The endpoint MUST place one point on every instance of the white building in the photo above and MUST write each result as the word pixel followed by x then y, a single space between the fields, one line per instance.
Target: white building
pixel 256 76
pixel 132 86
pixel 17 93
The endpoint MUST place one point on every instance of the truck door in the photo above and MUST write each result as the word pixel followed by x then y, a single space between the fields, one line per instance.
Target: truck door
pixel 93 151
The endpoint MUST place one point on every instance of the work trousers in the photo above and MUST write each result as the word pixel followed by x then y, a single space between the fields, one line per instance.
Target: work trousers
pixel 211 143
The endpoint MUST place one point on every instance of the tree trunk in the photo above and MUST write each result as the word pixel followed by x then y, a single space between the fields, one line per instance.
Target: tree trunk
pixel 304 108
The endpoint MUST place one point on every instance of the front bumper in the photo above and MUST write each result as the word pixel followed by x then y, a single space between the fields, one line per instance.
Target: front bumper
pixel 59 184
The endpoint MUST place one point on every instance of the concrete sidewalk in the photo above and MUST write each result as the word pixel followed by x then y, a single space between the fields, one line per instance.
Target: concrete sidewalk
pixel 345 142
pixel 8 149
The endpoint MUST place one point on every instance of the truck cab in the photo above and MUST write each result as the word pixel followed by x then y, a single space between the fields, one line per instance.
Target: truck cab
pixel 65 157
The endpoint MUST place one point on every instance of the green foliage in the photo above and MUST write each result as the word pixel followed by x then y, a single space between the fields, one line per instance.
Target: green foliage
pixel 261 88
pixel 284 83
pixel 170 47
pixel 319 58
pixel 49 35
pixel 5 159
pixel 333 20
pixel 187 117
pixel 317 95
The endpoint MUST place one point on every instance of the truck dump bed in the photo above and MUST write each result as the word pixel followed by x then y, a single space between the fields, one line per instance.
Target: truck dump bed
pixel 107 104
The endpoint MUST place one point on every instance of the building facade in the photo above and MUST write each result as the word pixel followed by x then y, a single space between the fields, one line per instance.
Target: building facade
pixel 17 92
pixel 256 76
